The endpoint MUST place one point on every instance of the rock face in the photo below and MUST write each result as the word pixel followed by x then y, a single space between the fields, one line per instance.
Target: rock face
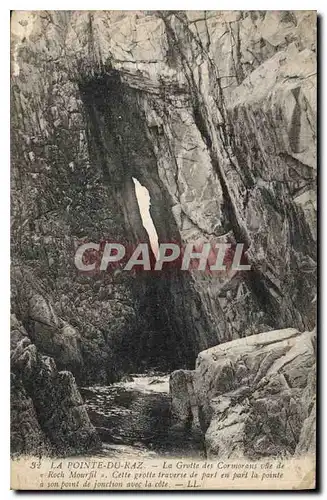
pixel 252 397
pixel 214 113
pixel 47 412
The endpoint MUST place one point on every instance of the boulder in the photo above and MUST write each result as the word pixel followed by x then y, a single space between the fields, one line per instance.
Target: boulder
pixel 255 396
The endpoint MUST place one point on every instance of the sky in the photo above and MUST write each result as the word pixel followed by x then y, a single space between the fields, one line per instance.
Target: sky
pixel 143 199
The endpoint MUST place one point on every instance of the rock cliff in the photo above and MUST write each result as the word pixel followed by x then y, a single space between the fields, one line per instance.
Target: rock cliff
pixel 214 113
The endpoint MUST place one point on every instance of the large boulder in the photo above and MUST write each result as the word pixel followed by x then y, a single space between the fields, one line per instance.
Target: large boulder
pixel 255 396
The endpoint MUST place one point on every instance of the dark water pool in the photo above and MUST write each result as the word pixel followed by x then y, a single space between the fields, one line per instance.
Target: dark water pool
pixel 134 418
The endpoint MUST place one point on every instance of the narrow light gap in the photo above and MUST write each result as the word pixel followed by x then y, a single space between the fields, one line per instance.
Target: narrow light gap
pixel 144 203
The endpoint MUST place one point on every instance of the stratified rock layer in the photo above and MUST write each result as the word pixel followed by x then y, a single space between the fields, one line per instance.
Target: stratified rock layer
pixel 252 397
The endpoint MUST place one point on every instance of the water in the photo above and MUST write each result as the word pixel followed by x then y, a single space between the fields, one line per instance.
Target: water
pixel 133 418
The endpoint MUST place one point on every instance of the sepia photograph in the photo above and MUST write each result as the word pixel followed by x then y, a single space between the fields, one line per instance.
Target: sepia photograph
pixel 163 225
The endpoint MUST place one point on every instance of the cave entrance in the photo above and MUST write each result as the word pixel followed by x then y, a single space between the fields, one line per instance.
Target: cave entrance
pixel 163 332
pixel 144 203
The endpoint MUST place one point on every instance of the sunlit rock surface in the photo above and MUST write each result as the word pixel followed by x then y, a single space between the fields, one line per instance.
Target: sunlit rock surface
pixel 253 397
